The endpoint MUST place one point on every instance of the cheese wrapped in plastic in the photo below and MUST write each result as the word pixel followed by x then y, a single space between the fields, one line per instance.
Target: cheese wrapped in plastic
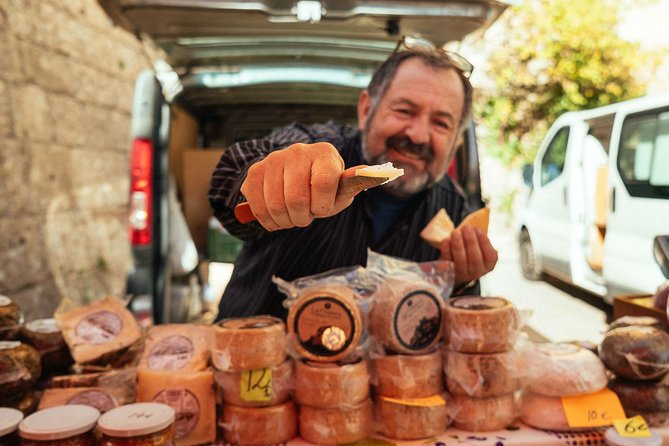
pixel 336 425
pixel 562 369
pixel 248 343
pixel 330 384
pixel 102 398
pixel 406 316
pixel 259 425
pixel 481 375
pixel 411 420
pixel 408 376
pixel 476 324
pixel 260 387
pixel 483 414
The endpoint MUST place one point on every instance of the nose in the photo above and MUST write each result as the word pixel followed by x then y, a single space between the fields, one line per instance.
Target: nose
pixel 418 130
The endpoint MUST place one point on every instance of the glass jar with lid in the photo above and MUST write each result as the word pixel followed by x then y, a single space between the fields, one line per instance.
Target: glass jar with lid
pixel 69 425
pixel 139 424
pixel 9 426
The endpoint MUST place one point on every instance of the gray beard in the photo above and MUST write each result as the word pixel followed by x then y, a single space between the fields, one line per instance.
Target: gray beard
pixel 398 187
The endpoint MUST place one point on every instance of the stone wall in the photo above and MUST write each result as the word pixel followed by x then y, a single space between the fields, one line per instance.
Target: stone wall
pixel 66 83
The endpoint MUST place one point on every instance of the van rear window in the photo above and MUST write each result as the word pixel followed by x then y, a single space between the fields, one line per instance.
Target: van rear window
pixel 643 157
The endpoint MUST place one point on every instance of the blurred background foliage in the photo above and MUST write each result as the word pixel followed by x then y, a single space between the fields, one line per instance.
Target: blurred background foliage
pixel 556 56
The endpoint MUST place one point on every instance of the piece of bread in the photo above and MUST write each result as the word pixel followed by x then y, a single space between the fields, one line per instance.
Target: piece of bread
pixel 440 227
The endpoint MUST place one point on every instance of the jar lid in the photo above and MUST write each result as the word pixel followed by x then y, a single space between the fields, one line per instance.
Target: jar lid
pixel 9 419
pixel 136 419
pixel 614 439
pixel 59 422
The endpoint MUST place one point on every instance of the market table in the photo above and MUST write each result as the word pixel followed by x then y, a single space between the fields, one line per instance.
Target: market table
pixel 519 435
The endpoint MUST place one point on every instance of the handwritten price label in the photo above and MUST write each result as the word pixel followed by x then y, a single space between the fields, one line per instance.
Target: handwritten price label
pixel 632 427
pixel 593 410
pixel 256 385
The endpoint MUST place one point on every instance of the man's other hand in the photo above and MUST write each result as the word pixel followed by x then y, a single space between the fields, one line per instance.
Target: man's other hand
pixel 471 252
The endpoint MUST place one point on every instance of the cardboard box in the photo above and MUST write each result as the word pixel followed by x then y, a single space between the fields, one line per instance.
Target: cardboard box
pixel 198 165
pixel 637 305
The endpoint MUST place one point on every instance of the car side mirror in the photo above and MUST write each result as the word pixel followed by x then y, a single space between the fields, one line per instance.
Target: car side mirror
pixel 661 253
pixel 528 172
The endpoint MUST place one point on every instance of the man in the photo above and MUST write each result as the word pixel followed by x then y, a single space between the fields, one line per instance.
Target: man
pixel 412 114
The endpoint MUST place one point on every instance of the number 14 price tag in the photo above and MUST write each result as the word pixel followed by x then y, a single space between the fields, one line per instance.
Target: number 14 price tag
pixel 593 410
pixel 632 427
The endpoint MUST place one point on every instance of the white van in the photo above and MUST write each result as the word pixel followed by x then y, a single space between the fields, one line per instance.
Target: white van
pixel 599 195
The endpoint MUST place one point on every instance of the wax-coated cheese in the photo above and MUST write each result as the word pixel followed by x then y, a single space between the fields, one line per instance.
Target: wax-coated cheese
pixel 260 387
pixel 98 329
pixel 20 368
pixel 405 421
pixel 544 412
pixel 47 338
pixel 11 319
pixel 248 343
pixel 336 425
pixel 483 414
pixel 331 385
pixel 636 352
pixel 563 369
pixel 325 323
pixel 190 394
pixel 475 324
pixel 259 425
pixel 641 396
pixel 406 316
pixel 181 347
pixel 408 376
pixel 481 374
pixel 102 398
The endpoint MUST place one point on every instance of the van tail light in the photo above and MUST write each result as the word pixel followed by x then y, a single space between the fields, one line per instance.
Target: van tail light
pixel 141 192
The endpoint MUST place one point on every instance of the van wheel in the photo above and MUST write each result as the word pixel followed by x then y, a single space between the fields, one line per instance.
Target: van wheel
pixel 528 262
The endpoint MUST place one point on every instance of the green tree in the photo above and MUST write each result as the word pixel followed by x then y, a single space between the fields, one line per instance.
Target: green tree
pixel 555 56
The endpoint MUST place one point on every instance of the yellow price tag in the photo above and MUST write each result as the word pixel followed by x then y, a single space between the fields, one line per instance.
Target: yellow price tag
pixel 593 410
pixel 428 401
pixel 256 385
pixel 632 427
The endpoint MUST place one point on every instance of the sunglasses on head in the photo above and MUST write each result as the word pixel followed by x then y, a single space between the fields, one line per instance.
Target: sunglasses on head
pixel 458 62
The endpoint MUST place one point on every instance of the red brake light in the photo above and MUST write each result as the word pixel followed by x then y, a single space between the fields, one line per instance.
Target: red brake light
pixel 141 192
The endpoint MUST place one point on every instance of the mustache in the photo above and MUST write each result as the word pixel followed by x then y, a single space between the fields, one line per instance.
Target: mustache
pixel 404 144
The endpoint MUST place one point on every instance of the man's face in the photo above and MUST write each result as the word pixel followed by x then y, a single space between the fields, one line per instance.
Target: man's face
pixel 415 125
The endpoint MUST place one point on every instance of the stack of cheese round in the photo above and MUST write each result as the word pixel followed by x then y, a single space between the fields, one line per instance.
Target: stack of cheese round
pixel 476 324
pixel 46 337
pixel 411 419
pixel 558 369
pixel 479 362
pixel 334 401
pixel 406 316
pixel 408 395
pixel 254 379
pixel 325 324
pixel 481 375
pixel 639 356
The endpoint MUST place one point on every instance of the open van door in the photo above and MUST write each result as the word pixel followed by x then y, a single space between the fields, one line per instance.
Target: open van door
pixel 638 196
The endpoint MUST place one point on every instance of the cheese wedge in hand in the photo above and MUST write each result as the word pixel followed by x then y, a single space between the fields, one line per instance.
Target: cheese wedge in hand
pixel 386 170
pixel 441 226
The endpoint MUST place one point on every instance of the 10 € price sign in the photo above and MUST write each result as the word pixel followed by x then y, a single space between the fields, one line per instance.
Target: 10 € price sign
pixel 593 410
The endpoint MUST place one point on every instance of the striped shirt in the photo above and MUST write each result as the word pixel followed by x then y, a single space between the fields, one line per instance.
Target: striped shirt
pixel 328 243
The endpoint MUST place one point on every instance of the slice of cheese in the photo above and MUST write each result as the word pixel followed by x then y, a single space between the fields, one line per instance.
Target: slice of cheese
pixel 190 394
pixel 98 329
pixel 183 347
pixel 441 226
pixel 386 170
pixel 478 219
